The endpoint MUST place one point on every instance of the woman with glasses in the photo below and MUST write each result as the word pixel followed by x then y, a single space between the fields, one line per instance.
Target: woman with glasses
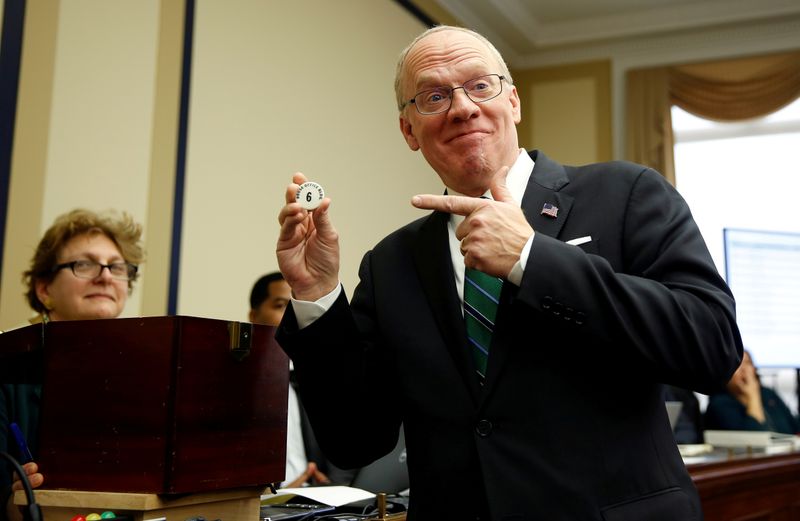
pixel 83 268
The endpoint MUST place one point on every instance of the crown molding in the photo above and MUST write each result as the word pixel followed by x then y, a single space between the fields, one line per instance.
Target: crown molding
pixel 535 37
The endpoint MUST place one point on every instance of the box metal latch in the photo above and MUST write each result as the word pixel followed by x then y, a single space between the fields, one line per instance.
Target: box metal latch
pixel 240 335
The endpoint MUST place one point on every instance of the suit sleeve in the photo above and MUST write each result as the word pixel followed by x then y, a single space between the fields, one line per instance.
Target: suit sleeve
pixel 663 311
pixel 345 379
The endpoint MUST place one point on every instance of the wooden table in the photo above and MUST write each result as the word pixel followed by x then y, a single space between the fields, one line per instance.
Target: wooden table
pixel 749 487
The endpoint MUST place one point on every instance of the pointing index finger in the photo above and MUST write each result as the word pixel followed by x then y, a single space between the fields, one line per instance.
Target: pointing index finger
pixel 448 203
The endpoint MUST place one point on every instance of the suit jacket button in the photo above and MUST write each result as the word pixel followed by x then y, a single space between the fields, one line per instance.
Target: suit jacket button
pixel 580 317
pixel 558 308
pixel 547 302
pixel 483 428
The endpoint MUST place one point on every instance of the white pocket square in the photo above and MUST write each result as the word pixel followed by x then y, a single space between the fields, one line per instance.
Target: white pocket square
pixel 580 240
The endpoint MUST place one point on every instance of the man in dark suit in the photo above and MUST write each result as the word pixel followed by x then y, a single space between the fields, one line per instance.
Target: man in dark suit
pixel 607 290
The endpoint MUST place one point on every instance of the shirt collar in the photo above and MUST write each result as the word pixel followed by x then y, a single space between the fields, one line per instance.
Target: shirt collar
pixel 517 180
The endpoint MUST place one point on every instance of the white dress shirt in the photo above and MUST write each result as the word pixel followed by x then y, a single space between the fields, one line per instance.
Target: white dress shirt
pixel 296 460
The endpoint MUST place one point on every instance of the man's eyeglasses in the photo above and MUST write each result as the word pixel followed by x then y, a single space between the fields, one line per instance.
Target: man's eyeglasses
pixel 86 269
pixel 438 100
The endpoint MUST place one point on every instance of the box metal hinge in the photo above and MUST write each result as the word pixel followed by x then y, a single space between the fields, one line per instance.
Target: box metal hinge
pixel 240 336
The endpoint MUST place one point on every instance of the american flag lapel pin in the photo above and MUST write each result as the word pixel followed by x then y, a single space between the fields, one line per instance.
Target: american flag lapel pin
pixel 550 210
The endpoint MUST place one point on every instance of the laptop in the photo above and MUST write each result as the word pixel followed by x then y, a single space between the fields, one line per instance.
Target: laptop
pixel 673 412
pixel 388 474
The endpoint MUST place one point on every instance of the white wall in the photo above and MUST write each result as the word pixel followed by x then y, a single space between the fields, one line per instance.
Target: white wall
pixel 279 87
pixel 565 119
pixel 99 146
pixel 83 126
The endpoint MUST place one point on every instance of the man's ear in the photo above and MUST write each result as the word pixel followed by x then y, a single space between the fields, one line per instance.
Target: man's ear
pixel 408 134
pixel 252 315
pixel 516 109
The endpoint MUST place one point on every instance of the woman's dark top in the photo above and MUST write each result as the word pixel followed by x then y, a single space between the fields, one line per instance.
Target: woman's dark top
pixel 725 412
pixel 19 403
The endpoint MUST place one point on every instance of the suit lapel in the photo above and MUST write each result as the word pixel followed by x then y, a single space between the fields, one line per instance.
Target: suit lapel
pixel 435 270
pixel 544 187
pixel 547 179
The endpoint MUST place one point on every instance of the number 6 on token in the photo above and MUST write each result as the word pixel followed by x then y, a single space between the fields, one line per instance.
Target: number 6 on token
pixel 310 195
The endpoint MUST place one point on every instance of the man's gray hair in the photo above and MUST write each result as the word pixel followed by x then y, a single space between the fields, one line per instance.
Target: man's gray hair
pixel 399 71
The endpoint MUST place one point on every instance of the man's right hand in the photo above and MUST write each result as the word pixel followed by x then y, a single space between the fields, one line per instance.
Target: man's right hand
pixel 308 246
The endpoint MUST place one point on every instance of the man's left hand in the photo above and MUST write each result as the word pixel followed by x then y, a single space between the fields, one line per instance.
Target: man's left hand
pixel 493 232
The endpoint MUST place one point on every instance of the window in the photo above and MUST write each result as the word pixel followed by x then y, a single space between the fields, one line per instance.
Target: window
pixel 743 175
pixel 739 175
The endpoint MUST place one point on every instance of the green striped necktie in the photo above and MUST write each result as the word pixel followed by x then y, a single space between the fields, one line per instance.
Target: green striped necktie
pixel 481 297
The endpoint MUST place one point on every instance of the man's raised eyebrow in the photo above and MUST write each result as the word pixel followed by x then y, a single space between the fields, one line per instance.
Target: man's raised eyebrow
pixel 424 83
pixel 429 82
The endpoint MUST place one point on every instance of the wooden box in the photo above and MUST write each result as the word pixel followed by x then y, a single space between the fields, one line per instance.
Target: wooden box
pixel 162 405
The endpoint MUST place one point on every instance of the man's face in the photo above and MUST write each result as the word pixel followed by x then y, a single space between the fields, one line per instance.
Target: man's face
pixel 270 312
pixel 468 143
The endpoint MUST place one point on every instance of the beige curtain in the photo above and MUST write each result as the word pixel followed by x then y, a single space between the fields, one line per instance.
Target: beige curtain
pixel 728 90
pixel 648 125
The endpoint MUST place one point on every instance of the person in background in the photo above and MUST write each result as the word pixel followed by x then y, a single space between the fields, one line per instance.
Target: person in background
pixel 305 463
pixel 519 332
pixel 84 268
pixel 749 406
pixel 268 299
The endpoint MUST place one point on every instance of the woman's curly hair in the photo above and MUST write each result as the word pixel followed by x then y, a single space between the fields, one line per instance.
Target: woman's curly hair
pixel 122 230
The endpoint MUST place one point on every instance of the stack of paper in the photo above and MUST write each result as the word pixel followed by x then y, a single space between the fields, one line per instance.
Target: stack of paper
pixel 334 496
pixel 769 442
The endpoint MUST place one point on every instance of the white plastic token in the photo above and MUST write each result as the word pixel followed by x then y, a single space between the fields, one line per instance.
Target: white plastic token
pixel 310 195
